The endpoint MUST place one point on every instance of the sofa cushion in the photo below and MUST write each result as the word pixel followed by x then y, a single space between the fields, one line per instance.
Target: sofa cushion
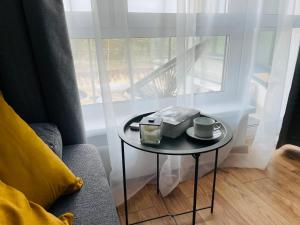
pixel 93 205
pixel 50 134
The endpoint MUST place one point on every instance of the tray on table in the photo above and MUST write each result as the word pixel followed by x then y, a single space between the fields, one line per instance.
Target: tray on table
pixel 183 145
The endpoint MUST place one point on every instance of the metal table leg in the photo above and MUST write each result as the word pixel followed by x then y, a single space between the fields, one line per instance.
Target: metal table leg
pixel 194 211
pixel 196 157
pixel 124 182
pixel 214 182
pixel 157 173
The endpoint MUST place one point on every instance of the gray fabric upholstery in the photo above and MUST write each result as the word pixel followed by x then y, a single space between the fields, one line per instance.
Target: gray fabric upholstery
pixel 37 74
pixel 50 135
pixel 93 204
pixel 104 154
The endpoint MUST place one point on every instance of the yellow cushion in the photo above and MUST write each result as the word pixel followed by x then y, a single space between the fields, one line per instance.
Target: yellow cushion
pixel 15 209
pixel 28 164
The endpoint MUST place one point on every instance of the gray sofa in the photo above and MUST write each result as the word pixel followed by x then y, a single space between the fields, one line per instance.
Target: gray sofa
pixel 93 204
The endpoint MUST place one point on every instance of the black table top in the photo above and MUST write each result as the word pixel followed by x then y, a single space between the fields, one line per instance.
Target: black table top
pixel 183 145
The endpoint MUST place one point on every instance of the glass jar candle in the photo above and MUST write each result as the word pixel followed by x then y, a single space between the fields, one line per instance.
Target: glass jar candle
pixel 150 130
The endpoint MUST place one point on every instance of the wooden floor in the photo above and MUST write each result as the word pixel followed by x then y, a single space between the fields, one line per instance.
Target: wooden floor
pixel 243 196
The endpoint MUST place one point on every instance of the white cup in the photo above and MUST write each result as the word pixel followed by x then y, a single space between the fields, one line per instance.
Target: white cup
pixel 205 126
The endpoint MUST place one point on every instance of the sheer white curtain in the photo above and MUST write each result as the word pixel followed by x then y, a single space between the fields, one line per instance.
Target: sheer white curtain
pixel 273 102
pixel 227 58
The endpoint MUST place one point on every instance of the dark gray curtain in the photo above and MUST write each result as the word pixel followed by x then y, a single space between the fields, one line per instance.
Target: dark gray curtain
pixel 36 67
pixel 290 131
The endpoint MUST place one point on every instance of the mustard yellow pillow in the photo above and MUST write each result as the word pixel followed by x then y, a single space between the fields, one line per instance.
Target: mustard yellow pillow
pixel 15 209
pixel 28 164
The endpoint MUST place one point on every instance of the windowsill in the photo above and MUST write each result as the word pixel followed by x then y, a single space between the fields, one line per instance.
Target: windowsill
pixel 226 109
pixel 95 121
pixel 92 130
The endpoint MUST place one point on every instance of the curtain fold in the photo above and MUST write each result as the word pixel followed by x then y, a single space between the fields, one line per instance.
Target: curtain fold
pixel 36 66
pixel 270 123
pixel 289 133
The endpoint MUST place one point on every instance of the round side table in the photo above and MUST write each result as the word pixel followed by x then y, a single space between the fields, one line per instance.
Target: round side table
pixel 183 145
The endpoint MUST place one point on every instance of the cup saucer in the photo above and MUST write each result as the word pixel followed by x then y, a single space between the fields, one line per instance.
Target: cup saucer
pixel 216 135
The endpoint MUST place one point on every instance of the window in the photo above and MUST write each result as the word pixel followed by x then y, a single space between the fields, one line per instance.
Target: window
pixel 148 56
pixel 215 75
pixel 84 53
pixel 151 52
